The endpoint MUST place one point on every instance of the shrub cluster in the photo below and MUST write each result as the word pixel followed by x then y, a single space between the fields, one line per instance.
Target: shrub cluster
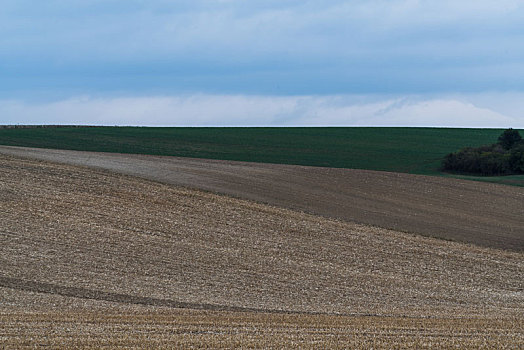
pixel 502 158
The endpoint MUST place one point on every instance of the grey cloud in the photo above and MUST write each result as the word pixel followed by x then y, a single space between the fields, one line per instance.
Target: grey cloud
pixel 313 47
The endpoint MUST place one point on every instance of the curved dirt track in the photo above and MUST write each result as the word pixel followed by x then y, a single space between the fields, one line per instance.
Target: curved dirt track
pixel 480 213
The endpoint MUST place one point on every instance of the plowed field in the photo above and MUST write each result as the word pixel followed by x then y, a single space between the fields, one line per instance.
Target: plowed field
pixel 91 258
pixel 472 212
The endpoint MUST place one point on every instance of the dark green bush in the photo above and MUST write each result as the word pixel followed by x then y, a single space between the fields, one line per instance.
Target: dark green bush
pixel 509 138
pixel 516 158
pixel 503 158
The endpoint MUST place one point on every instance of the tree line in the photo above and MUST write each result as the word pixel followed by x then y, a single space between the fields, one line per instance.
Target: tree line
pixel 505 157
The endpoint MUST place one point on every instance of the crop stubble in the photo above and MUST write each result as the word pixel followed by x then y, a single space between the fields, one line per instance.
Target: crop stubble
pixel 189 329
pixel 134 251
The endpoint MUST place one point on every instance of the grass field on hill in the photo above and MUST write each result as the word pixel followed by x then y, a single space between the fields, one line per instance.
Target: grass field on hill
pixel 408 150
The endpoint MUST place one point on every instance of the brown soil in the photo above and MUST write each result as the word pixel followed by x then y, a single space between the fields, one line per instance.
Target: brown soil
pixel 94 259
pixel 480 213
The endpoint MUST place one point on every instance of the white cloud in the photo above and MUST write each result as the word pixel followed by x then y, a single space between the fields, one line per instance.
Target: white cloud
pixel 243 110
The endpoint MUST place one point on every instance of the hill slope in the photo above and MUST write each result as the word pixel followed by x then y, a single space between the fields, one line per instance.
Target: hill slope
pixel 473 212
pixel 133 252
pixel 95 231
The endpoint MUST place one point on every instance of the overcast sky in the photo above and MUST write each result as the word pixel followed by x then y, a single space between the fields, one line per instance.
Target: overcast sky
pixel 249 62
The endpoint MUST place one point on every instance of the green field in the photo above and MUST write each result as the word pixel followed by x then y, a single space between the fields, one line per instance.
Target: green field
pixel 409 150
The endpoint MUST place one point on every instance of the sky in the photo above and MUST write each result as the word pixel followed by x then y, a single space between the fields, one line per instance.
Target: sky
pixel 262 63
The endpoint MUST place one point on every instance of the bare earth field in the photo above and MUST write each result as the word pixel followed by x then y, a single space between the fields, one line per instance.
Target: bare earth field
pixel 472 212
pixel 94 259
